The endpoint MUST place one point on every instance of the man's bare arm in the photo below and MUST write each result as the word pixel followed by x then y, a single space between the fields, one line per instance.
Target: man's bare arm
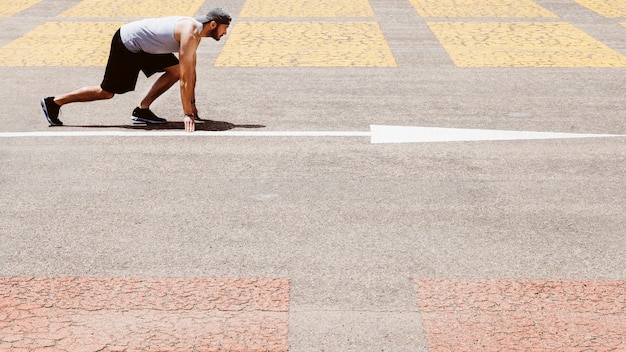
pixel 186 32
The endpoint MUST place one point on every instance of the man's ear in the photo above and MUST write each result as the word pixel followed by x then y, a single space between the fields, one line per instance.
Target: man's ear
pixel 212 25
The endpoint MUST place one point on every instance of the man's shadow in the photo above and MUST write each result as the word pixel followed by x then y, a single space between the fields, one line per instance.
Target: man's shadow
pixel 201 125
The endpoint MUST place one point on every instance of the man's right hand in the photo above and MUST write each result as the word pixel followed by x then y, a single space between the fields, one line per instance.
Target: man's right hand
pixel 190 124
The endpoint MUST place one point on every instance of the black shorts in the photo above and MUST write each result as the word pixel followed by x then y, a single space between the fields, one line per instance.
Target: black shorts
pixel 123 66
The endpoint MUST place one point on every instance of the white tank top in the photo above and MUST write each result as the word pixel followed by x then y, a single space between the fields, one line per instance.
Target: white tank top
pixel 153 35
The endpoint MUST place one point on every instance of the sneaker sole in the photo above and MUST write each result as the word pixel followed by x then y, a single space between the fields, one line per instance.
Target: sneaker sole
pixel 45 112
pixel 140 120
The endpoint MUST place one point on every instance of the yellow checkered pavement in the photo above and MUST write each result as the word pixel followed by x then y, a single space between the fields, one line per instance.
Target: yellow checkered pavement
pixel 606 8
pixel 306 8
pixel 480 9
pixel 338 33
pixel 61 44
pixel 133 8
pixel 518 44
pixel 313 44
pixel 9 8
pixel 522 44
pixel 290 43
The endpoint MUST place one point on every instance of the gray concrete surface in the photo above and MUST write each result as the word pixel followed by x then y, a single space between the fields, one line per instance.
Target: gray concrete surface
pixel 348 222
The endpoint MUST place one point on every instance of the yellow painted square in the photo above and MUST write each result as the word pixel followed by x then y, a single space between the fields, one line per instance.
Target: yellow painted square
pixel 311 44
pixel 61 44
pixel 9 8
pixel 510 44
pixel 306 8
pixel 480 9
pixel 133 8
pixel 606 8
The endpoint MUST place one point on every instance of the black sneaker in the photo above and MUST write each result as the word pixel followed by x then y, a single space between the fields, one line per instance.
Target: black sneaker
pixel 146 116
pixel 51 110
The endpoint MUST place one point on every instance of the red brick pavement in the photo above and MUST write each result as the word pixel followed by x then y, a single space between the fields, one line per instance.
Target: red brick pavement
pixel 130 314
pixel 122 314
pixel 514 315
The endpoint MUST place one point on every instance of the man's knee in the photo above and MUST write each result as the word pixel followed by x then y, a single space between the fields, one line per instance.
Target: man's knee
pixel 105 94
pixel 173 71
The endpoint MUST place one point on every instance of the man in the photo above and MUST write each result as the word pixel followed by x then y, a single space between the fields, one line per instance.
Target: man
pixel 148 45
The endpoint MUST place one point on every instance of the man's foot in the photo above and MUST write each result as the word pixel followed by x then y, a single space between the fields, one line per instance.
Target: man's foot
pixel 51 110
pixel 146 116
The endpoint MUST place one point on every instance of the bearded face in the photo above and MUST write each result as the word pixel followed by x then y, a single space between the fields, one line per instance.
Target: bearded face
pixel 218 32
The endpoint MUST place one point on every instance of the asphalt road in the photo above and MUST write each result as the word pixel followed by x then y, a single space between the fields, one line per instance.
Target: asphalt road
pixel 350 224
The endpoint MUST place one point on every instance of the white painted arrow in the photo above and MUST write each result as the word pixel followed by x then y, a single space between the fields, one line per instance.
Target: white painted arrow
pixel 408 134
pixel 377 133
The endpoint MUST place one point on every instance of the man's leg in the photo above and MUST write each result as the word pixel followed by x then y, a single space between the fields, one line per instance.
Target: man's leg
pixel 162 84
pixel 84 94
pixel 142 113
pixel 52 105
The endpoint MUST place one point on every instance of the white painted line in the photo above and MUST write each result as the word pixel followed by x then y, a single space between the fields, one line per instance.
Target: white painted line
pixel 378 134
pixel 409 134
pixel 114 133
